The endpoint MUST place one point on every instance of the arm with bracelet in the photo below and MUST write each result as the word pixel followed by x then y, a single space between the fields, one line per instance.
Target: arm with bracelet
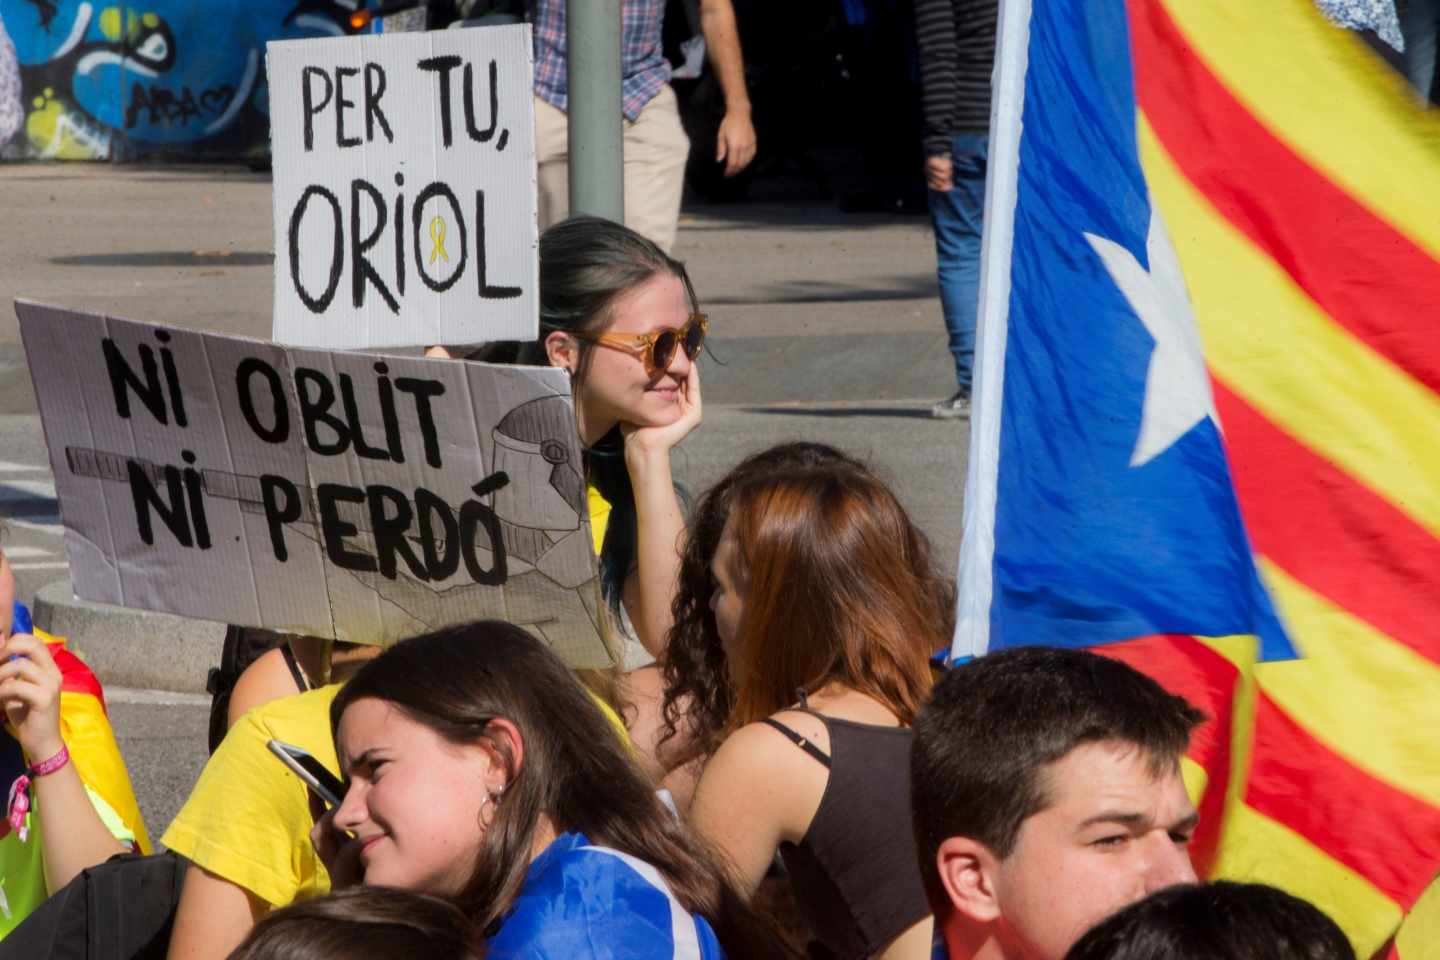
pixel 30 694
pixel 50 785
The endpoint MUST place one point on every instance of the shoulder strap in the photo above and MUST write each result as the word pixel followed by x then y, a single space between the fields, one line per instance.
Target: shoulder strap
pixel 805 707
pixel 799 741
pixel 295 672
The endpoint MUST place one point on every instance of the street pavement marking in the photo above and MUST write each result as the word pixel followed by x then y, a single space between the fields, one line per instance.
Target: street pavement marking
pixel 47 565
pixel 21 553
pixel 49 525
pixel 14 491
pixel 7 467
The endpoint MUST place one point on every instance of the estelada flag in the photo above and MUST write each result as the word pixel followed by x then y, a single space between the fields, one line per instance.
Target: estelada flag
pixel 1213 483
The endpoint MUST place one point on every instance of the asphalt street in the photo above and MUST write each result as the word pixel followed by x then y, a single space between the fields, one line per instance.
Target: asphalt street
pixel 824 327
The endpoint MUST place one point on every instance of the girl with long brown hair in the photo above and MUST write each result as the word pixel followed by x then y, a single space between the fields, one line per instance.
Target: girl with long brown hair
pixel 481 771
pixel 826 610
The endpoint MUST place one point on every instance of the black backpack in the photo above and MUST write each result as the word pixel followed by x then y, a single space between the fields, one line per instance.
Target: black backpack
pixel 243 646
pixel 123 909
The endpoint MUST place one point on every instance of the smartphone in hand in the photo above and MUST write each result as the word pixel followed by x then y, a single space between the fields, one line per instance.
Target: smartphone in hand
pixel 321 781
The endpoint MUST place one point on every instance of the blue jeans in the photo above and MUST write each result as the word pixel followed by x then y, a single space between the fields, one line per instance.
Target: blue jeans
pixel 1419 24
pixel 956 216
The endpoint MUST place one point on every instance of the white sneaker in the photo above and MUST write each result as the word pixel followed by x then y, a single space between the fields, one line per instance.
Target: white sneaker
pixel 955 408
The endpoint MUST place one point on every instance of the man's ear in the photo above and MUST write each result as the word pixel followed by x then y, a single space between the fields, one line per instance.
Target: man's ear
pixel 562 350
pixel 968 872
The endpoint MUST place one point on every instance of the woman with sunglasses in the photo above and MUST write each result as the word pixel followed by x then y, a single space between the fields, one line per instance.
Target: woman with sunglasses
pixel 621 317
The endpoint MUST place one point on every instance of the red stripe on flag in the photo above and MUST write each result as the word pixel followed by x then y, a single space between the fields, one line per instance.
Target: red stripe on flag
pixel 1330 532
pixel 1387 836
pixel 1188 668
pixel 1355 266
pixel 75 676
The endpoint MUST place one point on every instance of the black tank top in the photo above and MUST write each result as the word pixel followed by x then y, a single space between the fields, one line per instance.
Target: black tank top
pixel 856 874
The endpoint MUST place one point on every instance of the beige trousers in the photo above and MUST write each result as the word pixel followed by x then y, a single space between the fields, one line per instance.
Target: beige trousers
pixel 655 148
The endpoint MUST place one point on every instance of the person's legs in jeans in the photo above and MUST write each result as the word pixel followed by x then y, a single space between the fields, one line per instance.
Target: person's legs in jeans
pixel 1420 22
pixel 956 216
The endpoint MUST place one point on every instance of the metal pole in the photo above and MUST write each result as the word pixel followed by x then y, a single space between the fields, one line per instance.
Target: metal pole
pixel 592 60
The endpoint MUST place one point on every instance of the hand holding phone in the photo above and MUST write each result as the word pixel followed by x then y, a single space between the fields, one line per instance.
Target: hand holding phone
pixel 312 772
pixel 338 851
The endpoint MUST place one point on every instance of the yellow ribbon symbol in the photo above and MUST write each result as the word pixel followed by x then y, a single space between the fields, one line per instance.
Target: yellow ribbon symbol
pixel 437 234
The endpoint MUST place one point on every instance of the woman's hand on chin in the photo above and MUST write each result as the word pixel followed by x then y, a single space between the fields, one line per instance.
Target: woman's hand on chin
pixel 644 442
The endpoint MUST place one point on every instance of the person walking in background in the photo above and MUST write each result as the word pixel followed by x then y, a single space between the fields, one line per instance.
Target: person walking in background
pixel 1378 24
pixel 1420 27
pixel 655 144
pixel 956 39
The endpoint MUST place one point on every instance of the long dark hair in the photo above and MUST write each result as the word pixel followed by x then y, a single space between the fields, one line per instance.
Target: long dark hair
pixel 698 697
pixel 586 264
pixel 577 771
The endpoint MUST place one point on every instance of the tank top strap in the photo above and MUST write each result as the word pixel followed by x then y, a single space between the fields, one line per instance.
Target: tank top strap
pixel 799 741
pixel 296 673
pixel 805 707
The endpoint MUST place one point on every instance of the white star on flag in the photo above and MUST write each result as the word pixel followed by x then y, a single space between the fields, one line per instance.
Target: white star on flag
pixel 1177 387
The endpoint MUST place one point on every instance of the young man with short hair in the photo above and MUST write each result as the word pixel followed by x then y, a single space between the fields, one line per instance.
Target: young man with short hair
pixel 1047 795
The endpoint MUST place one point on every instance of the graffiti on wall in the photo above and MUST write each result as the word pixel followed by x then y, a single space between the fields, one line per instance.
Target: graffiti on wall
pixel 119 80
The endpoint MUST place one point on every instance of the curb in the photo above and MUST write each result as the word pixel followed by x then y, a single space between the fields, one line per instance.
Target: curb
pixel 131 648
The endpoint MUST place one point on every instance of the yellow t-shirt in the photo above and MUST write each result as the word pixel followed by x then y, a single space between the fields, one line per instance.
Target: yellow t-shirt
pixel 248 819
pixel 599 516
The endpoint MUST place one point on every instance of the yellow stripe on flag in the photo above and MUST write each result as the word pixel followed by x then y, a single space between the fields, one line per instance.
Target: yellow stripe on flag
pixel 96 755
pixel 1354 120
pixel 1419 936
pixel 1240 649
pixel 1196 779
pixel 1256 849
pixel 1276 349
pixel 1368 698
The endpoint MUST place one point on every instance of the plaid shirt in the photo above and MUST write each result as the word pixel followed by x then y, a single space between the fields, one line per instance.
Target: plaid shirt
pixel 644 70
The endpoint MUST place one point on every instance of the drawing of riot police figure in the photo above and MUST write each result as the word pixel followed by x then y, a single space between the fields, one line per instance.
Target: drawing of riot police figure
pixel 541 508
pixel 543 522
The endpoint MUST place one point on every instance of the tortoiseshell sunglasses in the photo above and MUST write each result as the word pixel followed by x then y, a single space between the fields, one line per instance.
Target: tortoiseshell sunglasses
pixel 655 349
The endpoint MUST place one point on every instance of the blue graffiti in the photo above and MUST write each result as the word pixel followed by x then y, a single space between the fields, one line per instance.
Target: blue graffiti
pixel 154 73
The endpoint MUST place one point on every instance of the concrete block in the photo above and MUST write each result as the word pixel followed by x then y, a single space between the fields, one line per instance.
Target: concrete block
pixel 131 648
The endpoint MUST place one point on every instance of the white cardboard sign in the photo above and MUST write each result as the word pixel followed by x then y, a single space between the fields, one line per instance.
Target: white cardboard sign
pixel 404 188
pixel 356 496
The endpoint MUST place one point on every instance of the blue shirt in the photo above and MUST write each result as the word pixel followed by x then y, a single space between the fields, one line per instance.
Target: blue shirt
pixel 594 903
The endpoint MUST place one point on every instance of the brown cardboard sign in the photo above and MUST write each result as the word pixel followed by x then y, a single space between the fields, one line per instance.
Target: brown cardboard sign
pixel 357 496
